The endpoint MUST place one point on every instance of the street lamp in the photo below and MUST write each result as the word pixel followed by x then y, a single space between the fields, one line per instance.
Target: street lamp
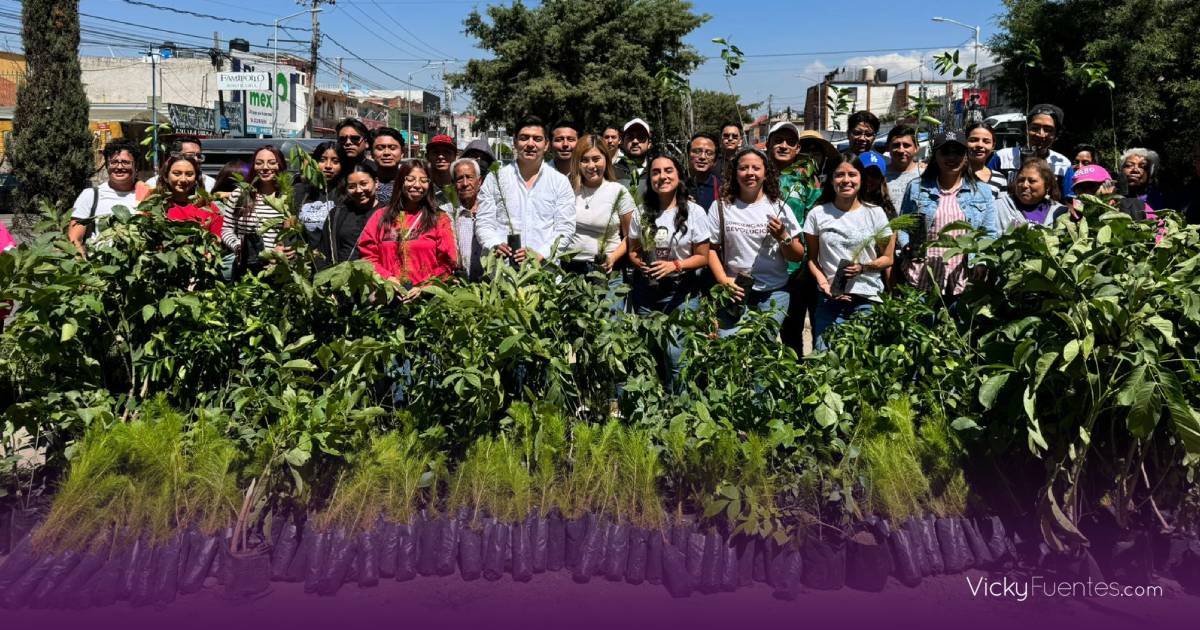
pixel 409 101
pixel 975 30
pixel 275 70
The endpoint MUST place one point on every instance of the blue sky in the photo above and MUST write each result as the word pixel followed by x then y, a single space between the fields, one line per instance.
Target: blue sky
pixel 804 37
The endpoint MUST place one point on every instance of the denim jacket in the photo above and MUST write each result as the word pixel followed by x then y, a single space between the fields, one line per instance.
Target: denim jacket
pixel 976 203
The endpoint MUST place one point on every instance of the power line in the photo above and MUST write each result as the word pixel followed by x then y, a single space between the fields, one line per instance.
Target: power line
pixel 204 15
pixel 403 28
pixel 407 48
pixel 375 67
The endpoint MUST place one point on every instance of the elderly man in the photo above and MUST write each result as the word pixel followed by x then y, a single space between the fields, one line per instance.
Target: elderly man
pixel 467 177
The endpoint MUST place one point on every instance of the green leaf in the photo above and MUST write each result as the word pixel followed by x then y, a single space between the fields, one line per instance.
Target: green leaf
pixel 299 364
pixel 1070 351
pixel 68 331
pixel 1165 328
pixel 991 388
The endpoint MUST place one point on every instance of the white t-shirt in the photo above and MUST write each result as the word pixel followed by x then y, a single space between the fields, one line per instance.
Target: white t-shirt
pixel 749 246
pixel 109 198
pixel 840 233
pixel 595 218
pixel 669 244
pixel 897 185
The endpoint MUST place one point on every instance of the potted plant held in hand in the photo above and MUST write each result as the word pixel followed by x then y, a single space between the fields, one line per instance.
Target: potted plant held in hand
pixel 514 236
pixel 840 284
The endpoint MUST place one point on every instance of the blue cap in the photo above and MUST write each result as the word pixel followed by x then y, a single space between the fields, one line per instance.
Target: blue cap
pixel 871 159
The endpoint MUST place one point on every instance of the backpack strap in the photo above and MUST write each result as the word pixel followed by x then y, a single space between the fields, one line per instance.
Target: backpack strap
pixel 95 202
pixel 721 216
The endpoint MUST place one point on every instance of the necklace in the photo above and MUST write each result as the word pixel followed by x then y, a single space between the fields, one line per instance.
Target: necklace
pixel 586 193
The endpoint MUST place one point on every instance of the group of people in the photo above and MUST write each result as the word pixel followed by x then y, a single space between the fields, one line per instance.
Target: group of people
pixel 796 231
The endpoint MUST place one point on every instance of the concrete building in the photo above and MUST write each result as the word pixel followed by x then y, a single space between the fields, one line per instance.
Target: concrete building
pixel 867 89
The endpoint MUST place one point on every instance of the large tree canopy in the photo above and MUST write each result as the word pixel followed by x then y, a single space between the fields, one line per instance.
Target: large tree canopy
pixel 593 62
pixel 1152 56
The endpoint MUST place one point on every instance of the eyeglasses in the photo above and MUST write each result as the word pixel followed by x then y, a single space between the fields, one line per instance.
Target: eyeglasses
pixel 199 157
pixel 351 139
pixel 120 163
pixel 410 179
pixel 702 153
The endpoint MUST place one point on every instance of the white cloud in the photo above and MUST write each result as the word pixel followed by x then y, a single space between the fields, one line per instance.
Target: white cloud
pixel 906 66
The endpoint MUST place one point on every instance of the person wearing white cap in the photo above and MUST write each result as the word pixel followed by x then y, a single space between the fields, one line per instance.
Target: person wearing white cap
pixel 528 209
pixel 799 187
pixel 635 146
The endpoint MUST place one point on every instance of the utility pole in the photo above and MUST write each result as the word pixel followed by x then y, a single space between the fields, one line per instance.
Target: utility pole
pixel 449 104
pixel 770 102
pixel 312 69
pixel 341 74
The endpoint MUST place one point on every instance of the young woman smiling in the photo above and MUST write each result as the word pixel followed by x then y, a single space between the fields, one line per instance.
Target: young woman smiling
pixel 410 241
pixel 948 192
pixel 345 223
pixel 319 198
pixel 981 145
pixel 178 181
pixel 756 235
pixel 603 209
pixel 845 227
pixel 678 231
pixel 246 216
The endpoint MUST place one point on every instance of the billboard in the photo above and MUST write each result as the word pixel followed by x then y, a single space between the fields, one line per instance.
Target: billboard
pixel 197 121
pixel 284 110
pixel 981 95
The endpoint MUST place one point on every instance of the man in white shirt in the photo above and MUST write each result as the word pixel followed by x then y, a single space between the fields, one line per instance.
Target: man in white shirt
pixel 528 201
pixel 93 205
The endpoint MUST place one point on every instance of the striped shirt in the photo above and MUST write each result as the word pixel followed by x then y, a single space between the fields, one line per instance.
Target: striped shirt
pixel 950 274
pixel 997 182
pixel 236 227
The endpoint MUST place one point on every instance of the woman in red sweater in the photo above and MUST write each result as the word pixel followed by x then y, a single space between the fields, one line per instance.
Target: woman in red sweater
pixel 411 240
pixel 178 181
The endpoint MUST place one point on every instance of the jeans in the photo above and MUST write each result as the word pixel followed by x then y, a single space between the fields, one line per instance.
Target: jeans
pixel 830 312
pixel 773 302
pixel 802 289
pixel 646 300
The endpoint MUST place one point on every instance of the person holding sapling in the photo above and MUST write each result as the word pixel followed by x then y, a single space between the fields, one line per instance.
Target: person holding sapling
pixel 410 241
pixel 462 209
pixel 799 187
pixel 94 205
pixel 755 235
pixel 947 192
pixel 526 209
pixel 178 181
pixel 850 243
pixel 1033 198
pixel 252 222
pixel 344 226
pixel 603 210
pixel 669 253
pixel 317 198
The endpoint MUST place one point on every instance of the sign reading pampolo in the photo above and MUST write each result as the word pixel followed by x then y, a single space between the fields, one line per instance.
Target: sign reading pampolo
pixel 244 81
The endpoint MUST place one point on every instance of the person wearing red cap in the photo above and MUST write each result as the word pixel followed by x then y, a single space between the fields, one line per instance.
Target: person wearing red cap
pixel 440 153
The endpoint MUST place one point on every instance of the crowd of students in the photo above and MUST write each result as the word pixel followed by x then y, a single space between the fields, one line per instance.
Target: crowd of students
pixel 798 231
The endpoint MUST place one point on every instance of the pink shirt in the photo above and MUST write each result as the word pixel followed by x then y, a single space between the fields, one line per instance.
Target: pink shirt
pixel 6 239
pixel 950 274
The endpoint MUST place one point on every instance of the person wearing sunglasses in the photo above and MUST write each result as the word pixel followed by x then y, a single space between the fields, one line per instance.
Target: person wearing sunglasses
pixel 731 142
pixel 187 147
pixel 353 137
pixel 799 188
pixel 947 192
pixel 94 205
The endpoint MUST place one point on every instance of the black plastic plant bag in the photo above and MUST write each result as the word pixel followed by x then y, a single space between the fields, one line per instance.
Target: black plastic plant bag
pixel 470 553
pixel 22 588
pixel 710 563
pixel 298 567
pixel 142 593
pixel 744 548
pixel 72 592
pixel 730 569
pixel 904 558
pixel 202 551
pixel 769 550
pixel 695 556
pixel 343 550
pixel 591 556
pixel 616 559
pixel 284 549
pixel 539 531
pixel 17 563
pixel 431 538
pixel 447 546
pixel 166 577
pixel 219 567
pixel 368 559
pixel 1186 569
pixel 824 564
pixel 933 549
pixel 979 548
pixel 868 562
pixel 556 542
pixel 992 530
pixel 135 566
pixel 406 551
pixel 912 528
pixel 496 552
pixel 1133 559
pixel 676 577
pixel 655 541
pixel 956 553
pixel 635 562
pixel 522 552
pixel 681 536
pixel 104 589
pixel 788 572
pixel 44 595
pixel 317 559
pixel 388 548
pixel 576 532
